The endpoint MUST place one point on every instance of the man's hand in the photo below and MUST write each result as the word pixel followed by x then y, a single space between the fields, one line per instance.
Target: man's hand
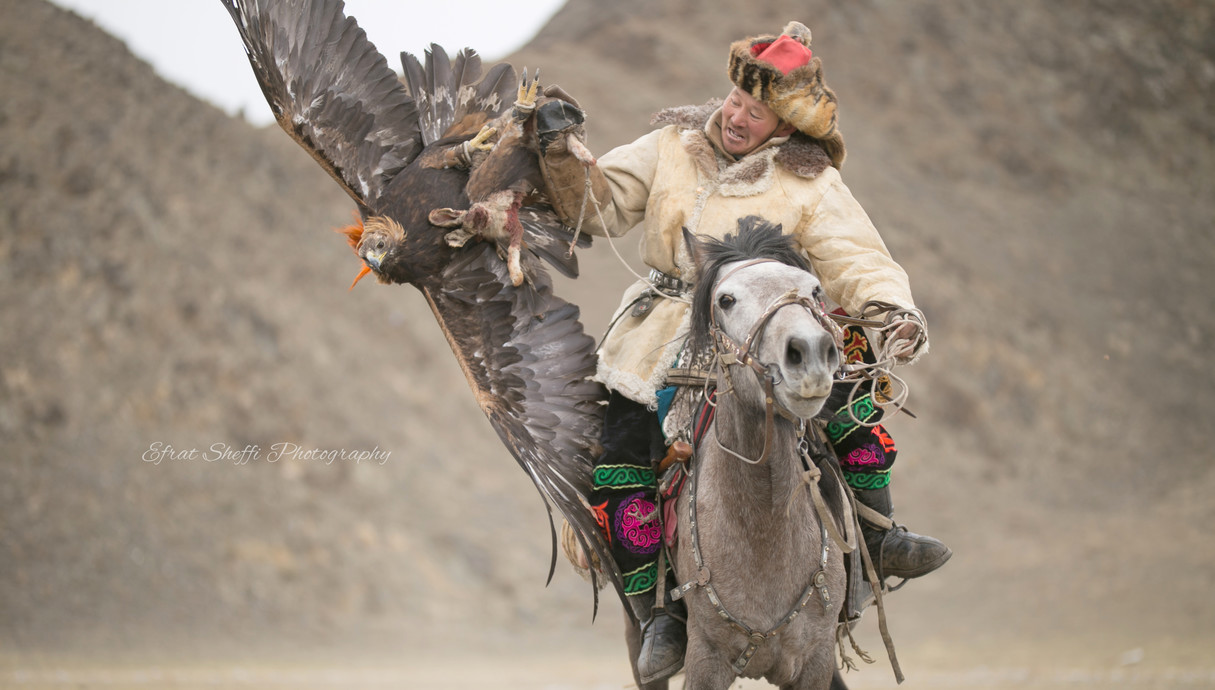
pixel 908 339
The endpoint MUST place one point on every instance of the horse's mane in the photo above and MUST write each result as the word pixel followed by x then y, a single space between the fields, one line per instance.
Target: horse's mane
pixel 757 238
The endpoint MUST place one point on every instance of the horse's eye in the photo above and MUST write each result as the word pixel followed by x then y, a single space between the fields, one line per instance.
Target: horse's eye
pixel 725 301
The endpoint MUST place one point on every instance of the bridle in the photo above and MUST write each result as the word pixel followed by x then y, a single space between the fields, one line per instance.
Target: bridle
pixel 729 352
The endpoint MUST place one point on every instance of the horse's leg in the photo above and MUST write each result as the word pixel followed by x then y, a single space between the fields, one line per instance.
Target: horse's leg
pixel 632 638
pixel 819 673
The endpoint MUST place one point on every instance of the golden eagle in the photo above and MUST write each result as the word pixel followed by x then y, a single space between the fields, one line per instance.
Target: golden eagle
pixel 447 183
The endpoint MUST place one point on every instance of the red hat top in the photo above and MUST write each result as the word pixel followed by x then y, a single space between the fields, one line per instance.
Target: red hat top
pixel 781 72
pixel 785 53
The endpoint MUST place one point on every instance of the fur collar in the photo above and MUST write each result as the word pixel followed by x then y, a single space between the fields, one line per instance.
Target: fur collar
pixel 801 155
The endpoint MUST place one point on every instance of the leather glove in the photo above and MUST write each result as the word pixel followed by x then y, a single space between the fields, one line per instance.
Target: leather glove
pixel 556 118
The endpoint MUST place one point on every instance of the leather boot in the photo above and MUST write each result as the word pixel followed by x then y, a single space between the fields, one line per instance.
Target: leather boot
pixel 664 638
pixel 897 552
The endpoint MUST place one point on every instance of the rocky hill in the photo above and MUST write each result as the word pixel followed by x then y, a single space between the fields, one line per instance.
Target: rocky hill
pixel 170 280
pixel 168 277
pixel 1045 173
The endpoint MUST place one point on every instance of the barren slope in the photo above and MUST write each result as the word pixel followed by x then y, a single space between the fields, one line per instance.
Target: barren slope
pixel 167 275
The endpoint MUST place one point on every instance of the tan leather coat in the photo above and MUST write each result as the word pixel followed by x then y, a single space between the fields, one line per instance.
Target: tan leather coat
pixel 677 177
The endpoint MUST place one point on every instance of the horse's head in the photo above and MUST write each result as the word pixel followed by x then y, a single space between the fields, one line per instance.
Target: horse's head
pixel 758 304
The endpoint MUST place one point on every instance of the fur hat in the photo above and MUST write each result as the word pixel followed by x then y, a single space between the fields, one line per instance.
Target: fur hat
pixel 782 72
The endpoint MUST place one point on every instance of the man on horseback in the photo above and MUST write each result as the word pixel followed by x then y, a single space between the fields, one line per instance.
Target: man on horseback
pixel 771 149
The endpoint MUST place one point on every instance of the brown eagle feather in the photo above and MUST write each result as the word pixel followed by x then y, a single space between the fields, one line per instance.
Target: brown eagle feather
pixel 522 348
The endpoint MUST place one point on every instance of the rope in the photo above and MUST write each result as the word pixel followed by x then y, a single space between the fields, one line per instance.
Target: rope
pixel 876 587
pixel 588 194
pixel 888 390
pixel 845 630
pixel 810 479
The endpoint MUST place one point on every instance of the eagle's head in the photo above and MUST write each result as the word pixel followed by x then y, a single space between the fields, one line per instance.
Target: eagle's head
pixel 380 243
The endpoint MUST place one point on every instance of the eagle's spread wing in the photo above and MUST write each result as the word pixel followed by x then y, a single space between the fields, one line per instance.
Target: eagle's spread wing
pixel 449 92
pixel 530 365
pixel 330 90
pixel 523 350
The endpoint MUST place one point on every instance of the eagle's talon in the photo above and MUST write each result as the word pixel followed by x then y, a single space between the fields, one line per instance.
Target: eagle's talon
pixel 525 101
pixel 478 143
pixel 461 155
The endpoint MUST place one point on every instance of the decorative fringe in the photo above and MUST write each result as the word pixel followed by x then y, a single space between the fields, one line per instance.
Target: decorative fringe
pixel 843 630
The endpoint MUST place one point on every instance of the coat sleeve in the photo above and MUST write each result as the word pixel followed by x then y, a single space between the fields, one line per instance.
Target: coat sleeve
pixel 621 183
pixel 848 254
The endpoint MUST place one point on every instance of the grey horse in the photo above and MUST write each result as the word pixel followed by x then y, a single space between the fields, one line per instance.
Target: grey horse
pixel 762 581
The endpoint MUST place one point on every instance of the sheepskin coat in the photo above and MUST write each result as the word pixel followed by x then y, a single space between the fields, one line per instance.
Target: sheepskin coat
pixel 679 177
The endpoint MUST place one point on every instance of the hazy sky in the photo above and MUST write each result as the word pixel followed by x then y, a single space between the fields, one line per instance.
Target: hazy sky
pixel 194 42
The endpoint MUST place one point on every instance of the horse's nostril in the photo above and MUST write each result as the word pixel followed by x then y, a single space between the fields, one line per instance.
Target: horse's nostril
pixel 795 352
pixel 831 355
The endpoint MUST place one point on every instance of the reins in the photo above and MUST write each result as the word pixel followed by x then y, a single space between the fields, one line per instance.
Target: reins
pixel 888 390
pixel 727 353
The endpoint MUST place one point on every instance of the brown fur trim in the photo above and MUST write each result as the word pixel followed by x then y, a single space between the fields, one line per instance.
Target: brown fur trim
pixel 698 146
pixel 804 100
pixel 686 116
pixel 750 176
pixel 834 146
pixel 802 155
pixel 805 157
pixel 749 170
pixel 754 76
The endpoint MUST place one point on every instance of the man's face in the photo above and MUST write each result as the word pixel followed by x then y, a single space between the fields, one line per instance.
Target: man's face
pixel 746 123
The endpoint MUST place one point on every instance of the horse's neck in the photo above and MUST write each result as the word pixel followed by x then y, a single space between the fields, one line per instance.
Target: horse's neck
pixel 747 522
pixel 749 489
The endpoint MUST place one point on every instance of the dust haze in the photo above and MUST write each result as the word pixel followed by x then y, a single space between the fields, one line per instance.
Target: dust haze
pixel 174 308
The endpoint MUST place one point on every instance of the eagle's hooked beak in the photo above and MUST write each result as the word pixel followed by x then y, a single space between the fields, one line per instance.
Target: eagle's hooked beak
pixel 374 260
pixel 374 248
pixel 371 262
